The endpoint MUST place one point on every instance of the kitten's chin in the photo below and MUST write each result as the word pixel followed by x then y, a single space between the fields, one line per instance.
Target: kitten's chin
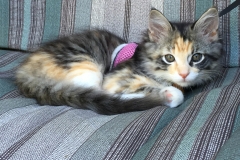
pixel 186 83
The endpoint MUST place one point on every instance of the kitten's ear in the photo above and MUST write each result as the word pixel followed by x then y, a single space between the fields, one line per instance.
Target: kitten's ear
pixel 159 27
pixel 207 25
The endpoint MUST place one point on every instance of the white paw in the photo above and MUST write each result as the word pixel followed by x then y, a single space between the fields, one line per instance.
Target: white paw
pixel 174 97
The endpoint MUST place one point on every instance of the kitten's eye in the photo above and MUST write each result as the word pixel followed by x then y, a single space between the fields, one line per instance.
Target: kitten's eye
pixel 169 58
pixel 197 58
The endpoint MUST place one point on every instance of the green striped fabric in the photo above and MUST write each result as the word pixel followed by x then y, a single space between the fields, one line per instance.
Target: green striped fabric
pixel 26 24
pixel 206 126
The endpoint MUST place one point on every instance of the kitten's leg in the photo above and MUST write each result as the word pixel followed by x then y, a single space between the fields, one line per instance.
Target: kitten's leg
pixel 88 79
pixel 85 74
pixel 129 86
pixel 171 96
pixel 132 95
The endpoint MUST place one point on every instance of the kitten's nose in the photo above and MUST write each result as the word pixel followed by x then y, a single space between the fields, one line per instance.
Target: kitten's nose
pixel 184 75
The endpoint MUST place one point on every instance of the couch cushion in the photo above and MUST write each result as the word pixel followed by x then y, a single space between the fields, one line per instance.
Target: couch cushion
pixel 199 127
pixel 9 61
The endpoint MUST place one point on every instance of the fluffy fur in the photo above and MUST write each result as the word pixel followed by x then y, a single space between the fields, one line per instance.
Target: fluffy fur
pixel 74 70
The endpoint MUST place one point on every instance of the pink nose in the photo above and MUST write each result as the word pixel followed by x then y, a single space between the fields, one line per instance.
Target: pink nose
pixel 184 75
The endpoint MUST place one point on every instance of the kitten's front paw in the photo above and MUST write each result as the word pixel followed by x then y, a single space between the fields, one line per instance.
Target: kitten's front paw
pixel 174 96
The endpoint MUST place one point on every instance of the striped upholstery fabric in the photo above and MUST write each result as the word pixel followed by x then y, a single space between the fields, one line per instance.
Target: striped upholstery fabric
pixel 206 126
pixel 29 23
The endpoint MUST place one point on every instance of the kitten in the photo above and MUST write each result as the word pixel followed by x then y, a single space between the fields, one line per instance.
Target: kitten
pixel 74 70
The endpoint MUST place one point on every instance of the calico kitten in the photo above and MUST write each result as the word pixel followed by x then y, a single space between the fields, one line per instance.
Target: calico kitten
pixel 74 70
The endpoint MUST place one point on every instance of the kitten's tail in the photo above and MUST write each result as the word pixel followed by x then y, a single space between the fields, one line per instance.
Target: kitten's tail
pixel 98 101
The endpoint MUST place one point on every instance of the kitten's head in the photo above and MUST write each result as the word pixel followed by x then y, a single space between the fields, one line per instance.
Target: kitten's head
pixel 185 54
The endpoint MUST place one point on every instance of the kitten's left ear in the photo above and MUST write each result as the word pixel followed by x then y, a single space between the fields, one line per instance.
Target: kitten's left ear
pixel 207 25
pixel 159 27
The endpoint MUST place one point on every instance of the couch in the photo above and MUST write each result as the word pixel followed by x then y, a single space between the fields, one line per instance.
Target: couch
pixel 206 126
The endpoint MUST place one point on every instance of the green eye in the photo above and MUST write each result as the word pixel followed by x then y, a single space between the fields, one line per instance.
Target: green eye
pixel 197 57
pixel 169 58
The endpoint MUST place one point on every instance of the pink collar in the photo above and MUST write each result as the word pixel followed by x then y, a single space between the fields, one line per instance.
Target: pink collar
pixel 122 53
